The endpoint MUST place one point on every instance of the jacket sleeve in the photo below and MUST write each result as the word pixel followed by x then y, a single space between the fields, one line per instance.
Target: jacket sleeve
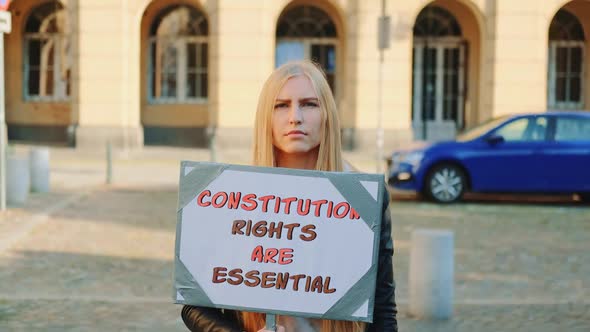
pixel 202 319
pixel 385 312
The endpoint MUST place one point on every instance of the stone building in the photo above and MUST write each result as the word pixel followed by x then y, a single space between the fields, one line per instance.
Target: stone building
pixel 142 72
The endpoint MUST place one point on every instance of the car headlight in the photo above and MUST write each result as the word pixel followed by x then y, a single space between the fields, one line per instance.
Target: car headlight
pixel 413 158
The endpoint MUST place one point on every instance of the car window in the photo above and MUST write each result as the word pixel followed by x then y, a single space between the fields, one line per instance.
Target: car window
pixel 524 129
pixel 537 129
pixel 477 131
pixel 572 129
pixel 514 131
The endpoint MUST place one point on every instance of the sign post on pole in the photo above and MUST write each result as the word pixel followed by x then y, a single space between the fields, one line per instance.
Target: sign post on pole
pixel 383 34
pixel 278 241
pixel 5 27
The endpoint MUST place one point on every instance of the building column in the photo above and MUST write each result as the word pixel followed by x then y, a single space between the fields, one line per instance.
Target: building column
pixel 396 89
pixel 105 89
pixel 242 56
pixel 517 60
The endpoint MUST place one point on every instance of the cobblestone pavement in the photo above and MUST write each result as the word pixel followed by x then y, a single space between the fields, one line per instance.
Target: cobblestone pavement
pixel 102 261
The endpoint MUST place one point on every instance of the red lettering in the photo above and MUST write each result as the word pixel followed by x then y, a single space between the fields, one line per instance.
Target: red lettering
pixel 257 254
pixel 264 200
pixel 318 205
pixel 270 254
pixel 234 200
pixel 288 202
pixel 249 203
pixel 339 207
pixel 354 214
pixel 285 256
pixel 215 200
pixel 201 196
pixel 330 206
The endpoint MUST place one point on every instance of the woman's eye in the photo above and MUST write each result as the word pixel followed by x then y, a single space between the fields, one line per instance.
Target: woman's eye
pixel 310 104
pixel 281 105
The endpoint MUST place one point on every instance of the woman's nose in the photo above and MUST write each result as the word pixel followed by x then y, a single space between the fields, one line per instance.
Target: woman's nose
pixel 295 115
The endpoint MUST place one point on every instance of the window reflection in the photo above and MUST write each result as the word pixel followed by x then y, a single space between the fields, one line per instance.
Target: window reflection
pixel 47 53
pixel 178 55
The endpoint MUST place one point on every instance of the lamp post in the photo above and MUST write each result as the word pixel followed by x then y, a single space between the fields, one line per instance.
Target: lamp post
pixel 383 41
pixel 5 27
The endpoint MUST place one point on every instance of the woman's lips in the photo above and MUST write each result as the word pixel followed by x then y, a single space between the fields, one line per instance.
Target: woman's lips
pixel 295 133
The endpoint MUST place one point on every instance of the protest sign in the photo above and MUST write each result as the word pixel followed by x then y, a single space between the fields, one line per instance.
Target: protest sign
pixel 276 240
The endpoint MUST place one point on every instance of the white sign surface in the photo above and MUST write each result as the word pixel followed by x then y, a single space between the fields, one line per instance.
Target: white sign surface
pixel 5 22
pixel 275 243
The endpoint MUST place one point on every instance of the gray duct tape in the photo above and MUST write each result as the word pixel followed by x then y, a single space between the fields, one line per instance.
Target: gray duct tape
pixel 196 180
pixel 358 197
pixel 358 294
pixel 188 287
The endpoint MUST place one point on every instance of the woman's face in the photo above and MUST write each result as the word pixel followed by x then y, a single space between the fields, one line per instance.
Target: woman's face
pixel 296 118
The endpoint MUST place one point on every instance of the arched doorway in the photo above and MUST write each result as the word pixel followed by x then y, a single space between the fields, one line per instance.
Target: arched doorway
pixel 439 80
pixel 308 32
pixel 566 62
pixel 175 54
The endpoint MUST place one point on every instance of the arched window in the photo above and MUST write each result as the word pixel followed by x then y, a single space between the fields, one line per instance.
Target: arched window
pixel 566 62
pixel 439 80
pixel 47 59
pixel 178 56
pixel 307 32
pixel 436 22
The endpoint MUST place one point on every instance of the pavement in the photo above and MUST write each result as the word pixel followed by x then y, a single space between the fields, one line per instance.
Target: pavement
pixel 91 256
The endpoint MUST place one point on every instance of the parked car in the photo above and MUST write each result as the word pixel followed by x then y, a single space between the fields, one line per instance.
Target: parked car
pixel 527 153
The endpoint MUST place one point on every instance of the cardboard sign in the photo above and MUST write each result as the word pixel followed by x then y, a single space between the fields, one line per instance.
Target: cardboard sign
pixel 276 240
pixel 5 22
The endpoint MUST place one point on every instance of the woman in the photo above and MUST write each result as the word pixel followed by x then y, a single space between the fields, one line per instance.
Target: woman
pixel 297 127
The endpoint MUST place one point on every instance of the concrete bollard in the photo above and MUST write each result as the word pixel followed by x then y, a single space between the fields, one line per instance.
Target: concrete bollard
pixel 39 160
pixel 431 274
pixel 18 181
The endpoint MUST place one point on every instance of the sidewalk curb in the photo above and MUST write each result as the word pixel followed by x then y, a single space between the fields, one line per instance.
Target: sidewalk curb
pixel 24 225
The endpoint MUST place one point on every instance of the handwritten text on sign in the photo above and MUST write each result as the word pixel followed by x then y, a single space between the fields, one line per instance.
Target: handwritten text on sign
pixel 275 242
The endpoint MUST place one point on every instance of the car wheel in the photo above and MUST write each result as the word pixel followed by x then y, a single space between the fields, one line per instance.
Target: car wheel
pixel 445 183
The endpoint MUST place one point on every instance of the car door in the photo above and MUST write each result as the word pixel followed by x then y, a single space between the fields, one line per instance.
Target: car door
pixel 566 160
pixel 512 164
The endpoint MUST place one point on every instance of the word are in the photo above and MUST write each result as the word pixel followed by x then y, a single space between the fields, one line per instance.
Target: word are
pixel 277 280
pixel 272 203
pixel 268 256
pixel 272 230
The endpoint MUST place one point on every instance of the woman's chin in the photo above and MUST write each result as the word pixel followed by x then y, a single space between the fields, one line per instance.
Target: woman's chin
pixel 297 149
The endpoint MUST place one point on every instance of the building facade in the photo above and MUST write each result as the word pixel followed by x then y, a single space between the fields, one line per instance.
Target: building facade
pixel 147 72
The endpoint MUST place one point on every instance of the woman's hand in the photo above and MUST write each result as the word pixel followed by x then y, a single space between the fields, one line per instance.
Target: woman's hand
pixel 279 329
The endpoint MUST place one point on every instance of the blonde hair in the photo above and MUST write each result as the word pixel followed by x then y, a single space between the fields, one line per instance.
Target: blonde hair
pixel 329 155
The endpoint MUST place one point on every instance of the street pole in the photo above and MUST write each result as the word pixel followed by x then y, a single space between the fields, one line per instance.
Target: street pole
pixel 383 24
pixel 5 27
pixel 3 136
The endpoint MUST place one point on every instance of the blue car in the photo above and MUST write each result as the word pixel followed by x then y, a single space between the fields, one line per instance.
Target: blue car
pixel 526 153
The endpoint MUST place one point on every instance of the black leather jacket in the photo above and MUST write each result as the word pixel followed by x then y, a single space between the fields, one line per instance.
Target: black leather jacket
pixel 201 319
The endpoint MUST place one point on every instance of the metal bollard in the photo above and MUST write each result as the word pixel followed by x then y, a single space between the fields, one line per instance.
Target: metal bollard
pixel 109 178
pixel 431 274
pixel 39 164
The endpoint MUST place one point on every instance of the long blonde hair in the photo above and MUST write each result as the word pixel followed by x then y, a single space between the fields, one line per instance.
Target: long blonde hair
pixel 329 155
